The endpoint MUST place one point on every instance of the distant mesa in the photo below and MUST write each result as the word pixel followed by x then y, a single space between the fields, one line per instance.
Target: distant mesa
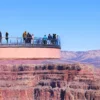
pixel 91 57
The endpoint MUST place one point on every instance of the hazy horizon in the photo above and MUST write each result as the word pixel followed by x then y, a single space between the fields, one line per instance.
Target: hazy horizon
pixel 81 50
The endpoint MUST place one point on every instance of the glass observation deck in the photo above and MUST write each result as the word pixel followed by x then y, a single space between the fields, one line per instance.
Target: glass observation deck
pixel 37 42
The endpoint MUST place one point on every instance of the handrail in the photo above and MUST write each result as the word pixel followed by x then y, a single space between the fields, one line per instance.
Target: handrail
pixel 36 41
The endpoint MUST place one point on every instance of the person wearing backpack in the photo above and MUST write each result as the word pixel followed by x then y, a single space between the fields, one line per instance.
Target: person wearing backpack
pixel 24 36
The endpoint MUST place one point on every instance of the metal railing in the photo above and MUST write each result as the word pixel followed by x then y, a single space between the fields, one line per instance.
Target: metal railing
pixel 37 41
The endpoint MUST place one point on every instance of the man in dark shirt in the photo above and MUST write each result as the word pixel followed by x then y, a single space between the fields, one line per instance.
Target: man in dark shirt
pixel 6 37
pixel 49 38
pixel 0 37
pixel 54 38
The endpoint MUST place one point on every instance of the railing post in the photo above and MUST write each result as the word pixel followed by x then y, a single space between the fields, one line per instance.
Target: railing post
pixel 17 40
pixel 10 41
pixel 21 41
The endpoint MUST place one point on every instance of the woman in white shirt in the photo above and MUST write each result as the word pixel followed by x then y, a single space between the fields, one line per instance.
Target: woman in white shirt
pixel 32 40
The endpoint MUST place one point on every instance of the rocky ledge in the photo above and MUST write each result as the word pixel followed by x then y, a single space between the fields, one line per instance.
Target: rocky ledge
pixel 49 82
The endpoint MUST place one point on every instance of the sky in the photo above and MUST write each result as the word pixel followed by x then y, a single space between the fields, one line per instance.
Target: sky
pixel 77 22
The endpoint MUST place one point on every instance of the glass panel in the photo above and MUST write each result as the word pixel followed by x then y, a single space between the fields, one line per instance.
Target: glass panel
pixel 37 41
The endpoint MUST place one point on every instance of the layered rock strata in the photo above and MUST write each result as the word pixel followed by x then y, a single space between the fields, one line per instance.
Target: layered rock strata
pixel 49 82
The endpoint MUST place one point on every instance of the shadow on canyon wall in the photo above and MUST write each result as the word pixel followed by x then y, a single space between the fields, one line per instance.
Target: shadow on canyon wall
pixel 49 82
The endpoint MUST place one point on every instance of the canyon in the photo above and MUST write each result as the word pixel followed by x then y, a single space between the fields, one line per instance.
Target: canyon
pixel 41 80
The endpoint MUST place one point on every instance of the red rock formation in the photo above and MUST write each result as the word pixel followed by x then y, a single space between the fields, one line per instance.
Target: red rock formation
pixel 49 82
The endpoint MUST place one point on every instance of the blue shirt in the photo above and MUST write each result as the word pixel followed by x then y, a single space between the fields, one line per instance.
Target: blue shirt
pixel 44 38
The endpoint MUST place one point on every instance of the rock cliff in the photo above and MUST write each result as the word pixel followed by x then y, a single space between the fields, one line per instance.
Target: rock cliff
pixel 91 57
pixel 49 82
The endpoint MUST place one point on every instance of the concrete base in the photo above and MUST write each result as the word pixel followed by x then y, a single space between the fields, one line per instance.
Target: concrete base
pixel 29 53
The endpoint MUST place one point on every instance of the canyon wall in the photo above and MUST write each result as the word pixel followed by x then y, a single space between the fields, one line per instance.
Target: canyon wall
pixel 49 82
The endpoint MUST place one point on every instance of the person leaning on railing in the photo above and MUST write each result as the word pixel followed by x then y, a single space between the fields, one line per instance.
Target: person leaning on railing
pixel 29 37
pixel 45 39
pixel 0 37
